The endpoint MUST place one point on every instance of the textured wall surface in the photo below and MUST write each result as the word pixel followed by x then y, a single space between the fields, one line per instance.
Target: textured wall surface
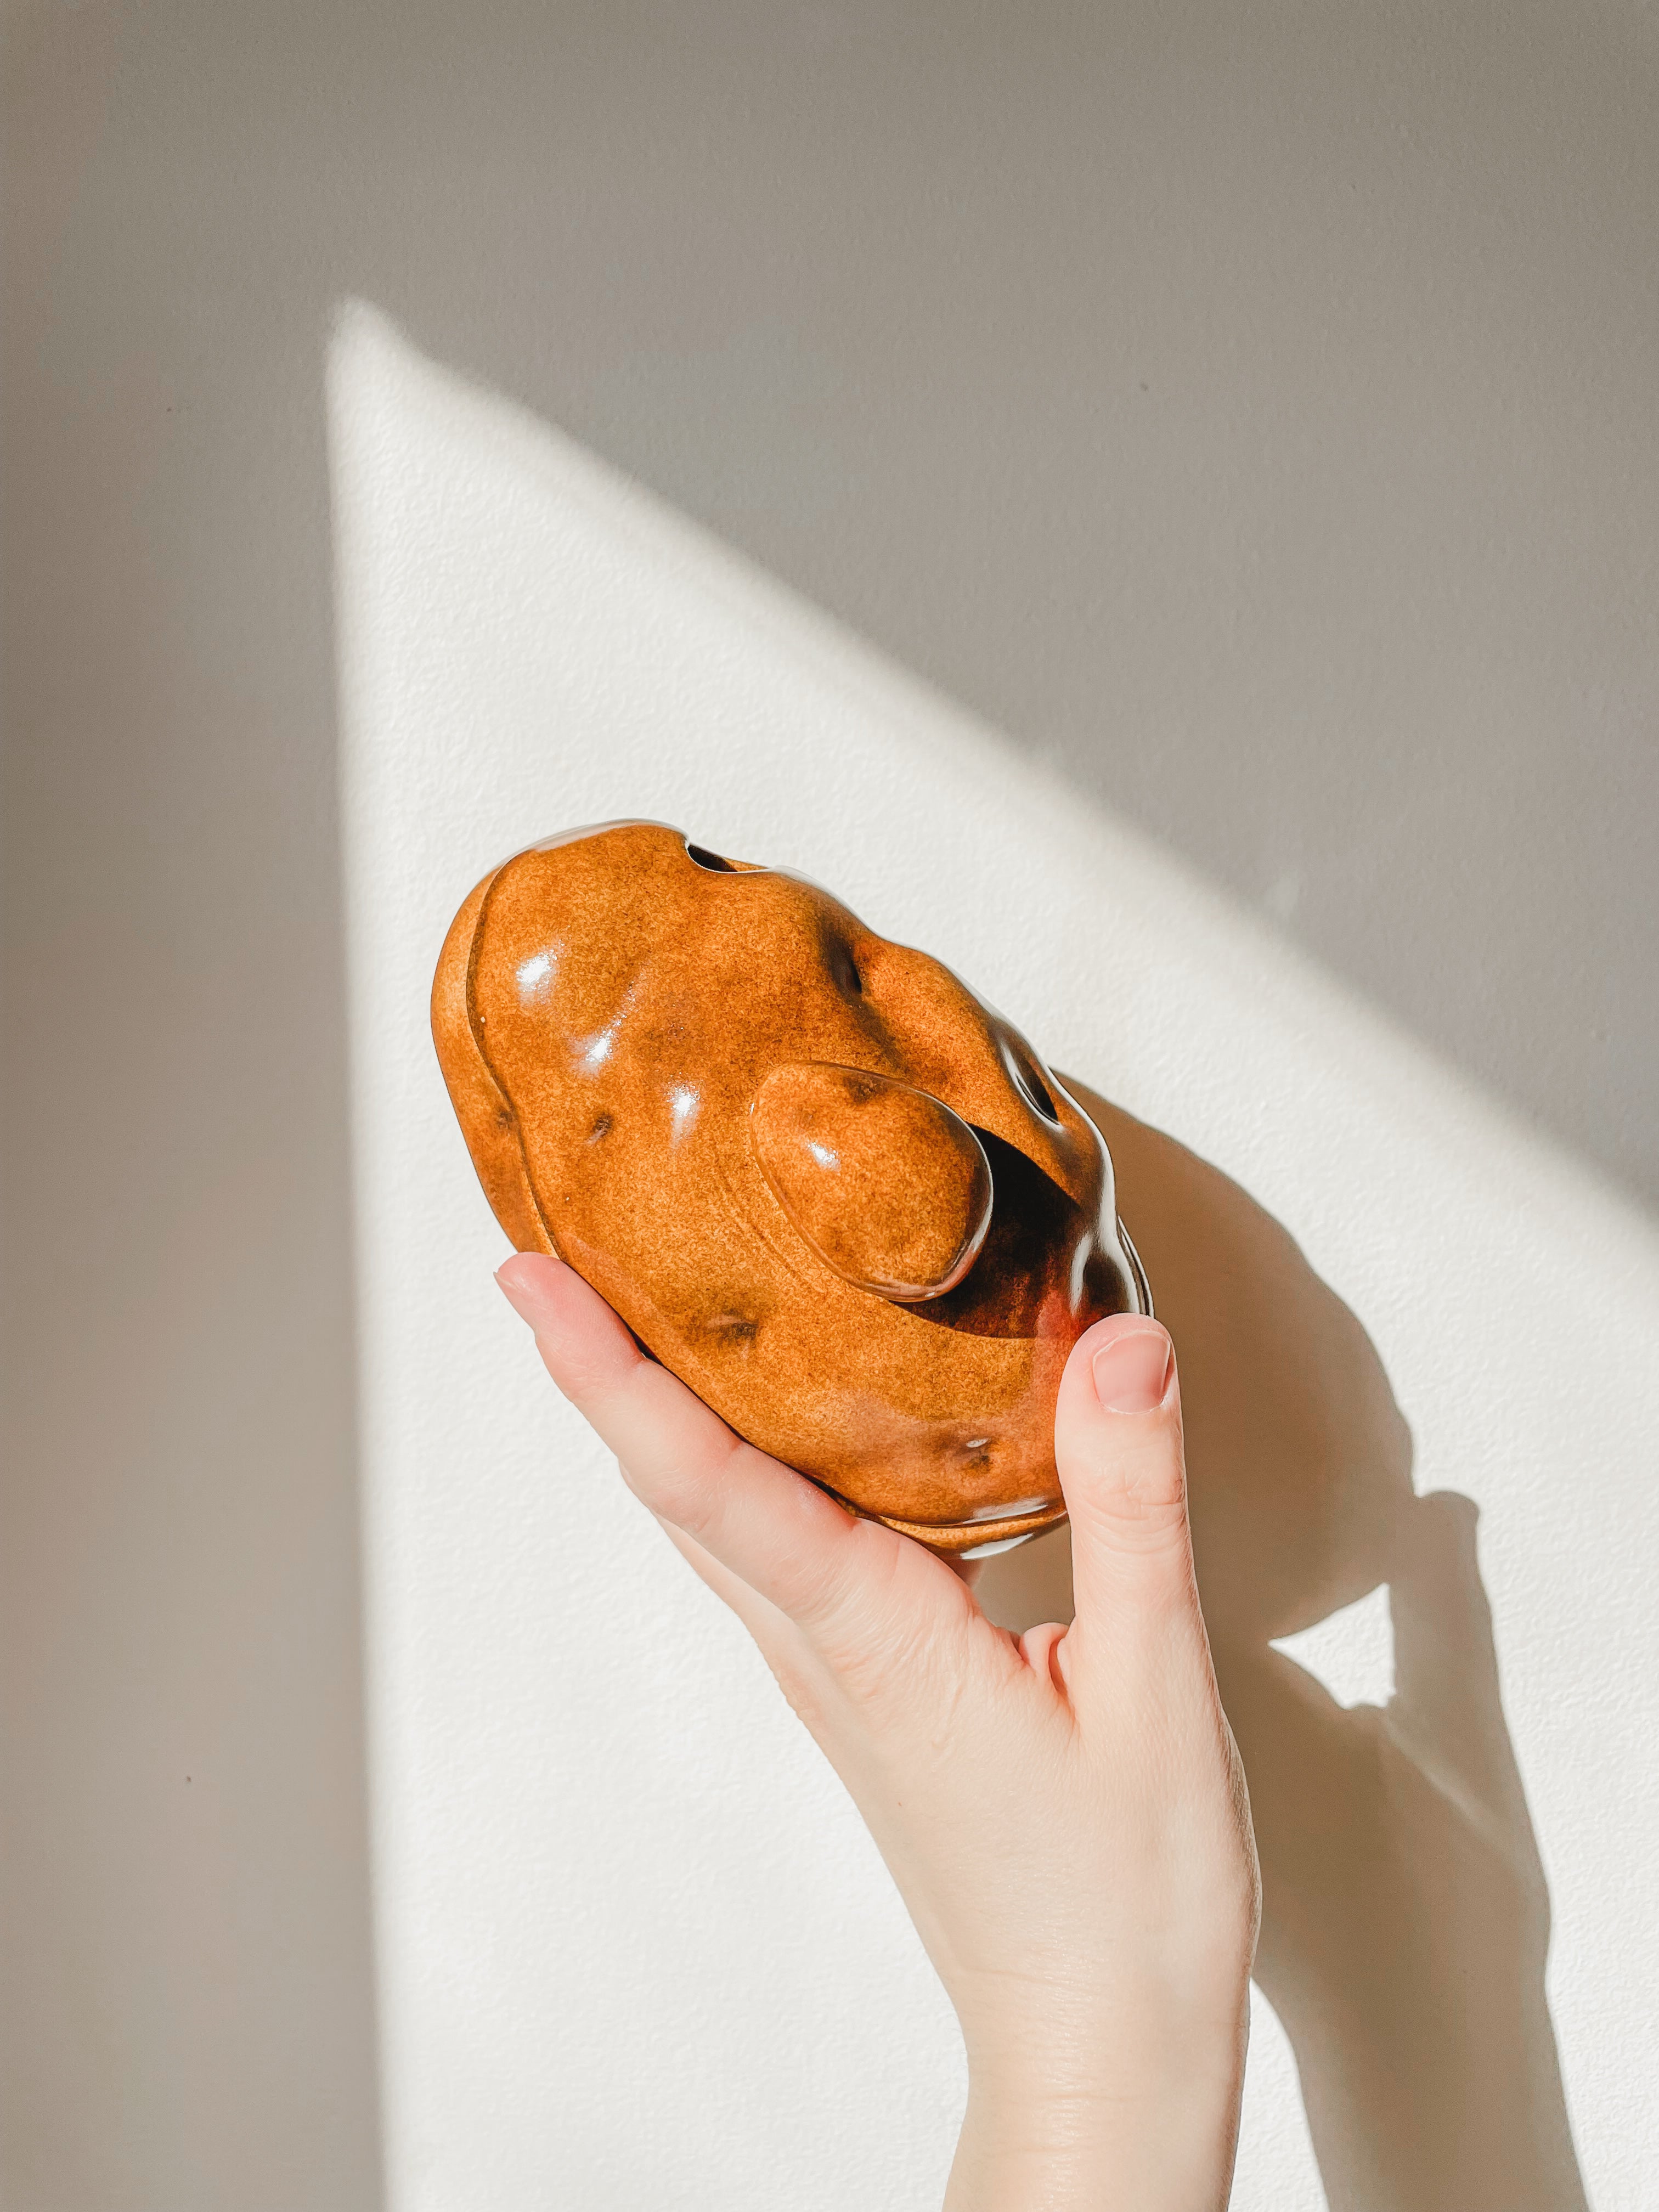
pixel 634 1946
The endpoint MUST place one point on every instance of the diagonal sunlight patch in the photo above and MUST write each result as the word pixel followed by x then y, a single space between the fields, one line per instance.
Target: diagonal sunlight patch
pixel 1351 1652
pixel 635 1948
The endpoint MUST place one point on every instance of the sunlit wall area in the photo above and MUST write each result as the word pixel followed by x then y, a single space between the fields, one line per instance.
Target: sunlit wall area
pixel 628 1930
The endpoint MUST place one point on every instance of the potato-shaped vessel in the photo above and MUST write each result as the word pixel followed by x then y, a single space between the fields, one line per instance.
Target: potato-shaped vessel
pixel 818 1178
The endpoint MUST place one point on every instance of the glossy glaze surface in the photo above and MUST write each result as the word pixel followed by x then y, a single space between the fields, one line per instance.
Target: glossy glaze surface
pixel 823 1182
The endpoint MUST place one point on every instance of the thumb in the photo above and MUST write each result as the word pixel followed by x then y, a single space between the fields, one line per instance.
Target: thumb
pixel 1118 1448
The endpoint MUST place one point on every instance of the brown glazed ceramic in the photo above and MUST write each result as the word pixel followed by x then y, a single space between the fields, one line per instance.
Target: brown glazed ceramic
pixel 819 1180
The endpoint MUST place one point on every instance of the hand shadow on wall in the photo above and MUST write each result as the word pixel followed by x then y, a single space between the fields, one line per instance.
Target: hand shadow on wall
pixel 1405 1914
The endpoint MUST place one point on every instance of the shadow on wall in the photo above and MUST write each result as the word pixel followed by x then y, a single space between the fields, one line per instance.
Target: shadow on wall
pixel 1405 1915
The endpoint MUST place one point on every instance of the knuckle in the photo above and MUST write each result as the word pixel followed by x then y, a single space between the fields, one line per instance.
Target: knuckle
pixel 678 1490
pixel 1144 1488
pixel 878 1655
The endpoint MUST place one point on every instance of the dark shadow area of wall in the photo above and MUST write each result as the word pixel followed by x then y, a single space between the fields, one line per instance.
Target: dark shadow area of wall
pixel 1249 409
pixel 189 2017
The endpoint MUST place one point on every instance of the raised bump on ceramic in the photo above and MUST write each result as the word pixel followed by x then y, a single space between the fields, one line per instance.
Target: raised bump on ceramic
pixel 887 1185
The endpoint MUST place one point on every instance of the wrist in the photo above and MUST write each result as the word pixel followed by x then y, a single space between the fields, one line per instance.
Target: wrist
pixel 1170 2150
pixel 1056 2121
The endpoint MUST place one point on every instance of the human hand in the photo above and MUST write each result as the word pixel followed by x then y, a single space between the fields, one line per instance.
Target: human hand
pixel 1406 1917
pixel 1064 1812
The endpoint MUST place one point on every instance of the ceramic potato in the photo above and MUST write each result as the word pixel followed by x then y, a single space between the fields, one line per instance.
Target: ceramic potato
pixel 819 1179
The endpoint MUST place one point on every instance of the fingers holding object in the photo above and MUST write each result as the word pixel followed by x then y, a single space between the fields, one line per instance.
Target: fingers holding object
pixel 1118 1445
pixel 778 1533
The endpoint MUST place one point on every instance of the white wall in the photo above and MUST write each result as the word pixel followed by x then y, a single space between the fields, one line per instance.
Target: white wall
pixel 1249 410
pixel 633 1949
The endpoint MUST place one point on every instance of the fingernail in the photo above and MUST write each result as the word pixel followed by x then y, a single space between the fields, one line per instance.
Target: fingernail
pixel 519 1295
pixel 1132 1371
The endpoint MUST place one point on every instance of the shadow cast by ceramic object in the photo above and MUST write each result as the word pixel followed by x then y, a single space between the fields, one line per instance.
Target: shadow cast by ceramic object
pixel 1405 1913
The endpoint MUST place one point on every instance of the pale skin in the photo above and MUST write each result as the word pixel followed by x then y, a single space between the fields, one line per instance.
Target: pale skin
pixel 1064 1812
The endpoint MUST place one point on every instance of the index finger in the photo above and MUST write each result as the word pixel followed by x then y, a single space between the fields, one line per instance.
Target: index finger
pixel 806 1554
